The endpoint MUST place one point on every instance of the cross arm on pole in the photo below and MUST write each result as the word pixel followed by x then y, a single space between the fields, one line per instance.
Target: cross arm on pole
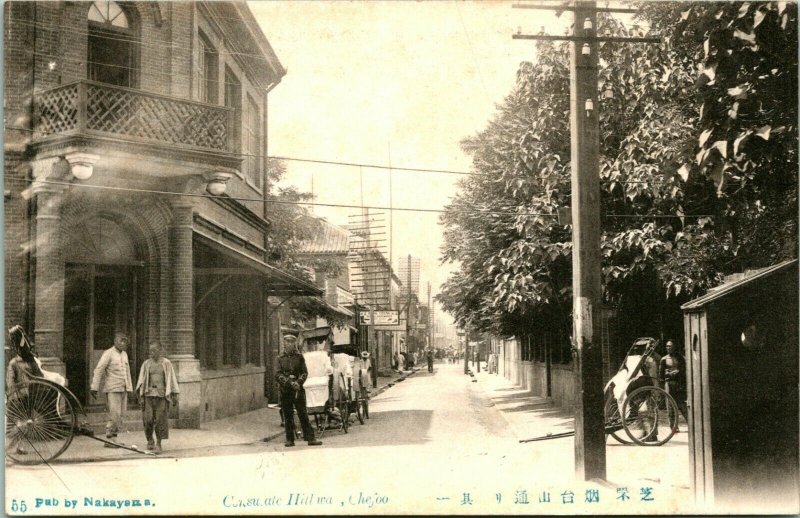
pixel 586 39
pixel 567 7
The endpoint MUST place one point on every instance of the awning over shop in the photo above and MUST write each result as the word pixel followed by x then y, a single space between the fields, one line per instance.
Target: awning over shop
pixel 317 335
pixel 341 310
pixel 279 283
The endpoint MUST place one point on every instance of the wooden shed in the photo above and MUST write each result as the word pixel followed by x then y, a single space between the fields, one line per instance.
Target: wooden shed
pixel 742 379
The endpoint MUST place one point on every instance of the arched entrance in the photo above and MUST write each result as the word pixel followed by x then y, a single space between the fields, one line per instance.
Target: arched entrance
pixel 102 295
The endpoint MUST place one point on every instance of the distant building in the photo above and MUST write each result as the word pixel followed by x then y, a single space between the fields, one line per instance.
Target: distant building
pixel 326 254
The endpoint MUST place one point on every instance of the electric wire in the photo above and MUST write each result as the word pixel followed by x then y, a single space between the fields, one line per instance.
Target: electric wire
pixel 474 211
pixel 388 167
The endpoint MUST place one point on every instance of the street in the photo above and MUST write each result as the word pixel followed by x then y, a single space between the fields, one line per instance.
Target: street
pixel 435 443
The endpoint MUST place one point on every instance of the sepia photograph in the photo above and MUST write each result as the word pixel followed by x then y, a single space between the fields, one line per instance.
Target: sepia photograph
pixel 430 257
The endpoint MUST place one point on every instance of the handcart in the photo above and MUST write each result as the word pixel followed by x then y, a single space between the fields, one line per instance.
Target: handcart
pixel 42 415
pixel 327 393
pixel 356 367
pixel 363 383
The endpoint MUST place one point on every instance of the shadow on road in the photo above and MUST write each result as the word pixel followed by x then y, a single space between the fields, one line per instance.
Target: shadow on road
pixel 390 427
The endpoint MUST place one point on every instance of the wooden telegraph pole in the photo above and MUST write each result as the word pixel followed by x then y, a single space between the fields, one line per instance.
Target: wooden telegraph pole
pixel 590 449
pixel 590 437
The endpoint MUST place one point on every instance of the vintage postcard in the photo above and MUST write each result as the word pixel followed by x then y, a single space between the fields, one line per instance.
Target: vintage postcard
pixel 390 257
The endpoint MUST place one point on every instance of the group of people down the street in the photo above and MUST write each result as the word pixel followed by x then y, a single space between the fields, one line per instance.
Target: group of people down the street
pixel 406 361
pixel 157 385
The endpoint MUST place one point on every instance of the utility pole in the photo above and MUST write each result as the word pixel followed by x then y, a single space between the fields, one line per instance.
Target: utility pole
pixel 430 319
pixel 590 437
pixel 408 306
pixel 590 452
pixel 466 348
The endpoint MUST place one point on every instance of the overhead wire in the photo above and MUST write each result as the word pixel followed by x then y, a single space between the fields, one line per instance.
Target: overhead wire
pixel 385 167
pixel 335 205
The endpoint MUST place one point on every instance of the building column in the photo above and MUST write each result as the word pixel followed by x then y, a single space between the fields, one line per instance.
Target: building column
pixel 49 278
pixel 182 346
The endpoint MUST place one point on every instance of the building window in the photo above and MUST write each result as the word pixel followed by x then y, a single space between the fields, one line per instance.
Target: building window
pixel 253 148
pixel 207 70
pixel 112 45
pixel 254 326
pixel 526 348
pixel 234 324
pixel 233 99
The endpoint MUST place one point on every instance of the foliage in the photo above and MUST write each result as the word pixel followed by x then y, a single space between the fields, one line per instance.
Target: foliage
pixel 291 225
pixel 747 142
pixel 662 218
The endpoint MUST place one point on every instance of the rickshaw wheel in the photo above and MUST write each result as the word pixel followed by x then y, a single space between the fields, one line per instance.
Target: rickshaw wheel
pixel 364 397
pixel 40 422
pixel 344 405
pixel 359 411
pixel 360 401
pixel 613 420
pixel 365 402
pixel 652 416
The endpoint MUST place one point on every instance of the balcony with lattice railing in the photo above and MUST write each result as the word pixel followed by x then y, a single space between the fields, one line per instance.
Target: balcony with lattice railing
pixel 87 108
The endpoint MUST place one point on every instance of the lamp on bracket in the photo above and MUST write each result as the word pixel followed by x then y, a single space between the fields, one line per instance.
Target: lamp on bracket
pixel 216 182
pixel 81 164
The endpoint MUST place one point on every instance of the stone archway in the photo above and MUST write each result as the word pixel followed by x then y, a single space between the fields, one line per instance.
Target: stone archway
pixel 101 240
pixel 112 257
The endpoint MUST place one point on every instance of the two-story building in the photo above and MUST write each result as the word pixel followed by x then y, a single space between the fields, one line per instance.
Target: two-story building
pixel 326 253
pixel 135 145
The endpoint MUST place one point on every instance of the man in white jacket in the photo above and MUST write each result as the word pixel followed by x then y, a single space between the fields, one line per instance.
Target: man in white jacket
pixel 113 376
pixel 156 389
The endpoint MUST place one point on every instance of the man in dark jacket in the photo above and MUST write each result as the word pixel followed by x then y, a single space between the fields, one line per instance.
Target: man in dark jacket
pixel 672 372
pixel 291 373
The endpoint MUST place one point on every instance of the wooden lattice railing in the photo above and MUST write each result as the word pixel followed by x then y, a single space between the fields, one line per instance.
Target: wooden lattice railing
pixel 107 110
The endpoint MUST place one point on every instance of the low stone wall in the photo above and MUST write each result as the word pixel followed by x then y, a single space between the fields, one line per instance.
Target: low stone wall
pixel 562 386
pixel 227 392
pixel 532 376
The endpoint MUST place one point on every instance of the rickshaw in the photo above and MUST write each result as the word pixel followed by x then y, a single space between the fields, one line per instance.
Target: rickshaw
pixel 634 401
pixel 42 414
pixel 357 365
pixel 328 391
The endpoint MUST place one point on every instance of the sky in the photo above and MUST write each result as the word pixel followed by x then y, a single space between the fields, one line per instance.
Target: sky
pixel 396 83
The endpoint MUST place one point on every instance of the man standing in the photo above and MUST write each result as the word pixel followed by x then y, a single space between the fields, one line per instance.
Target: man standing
pixel 156 389
pixel 672 372
pixel 429 357
pixel 113 376
pixel 291 373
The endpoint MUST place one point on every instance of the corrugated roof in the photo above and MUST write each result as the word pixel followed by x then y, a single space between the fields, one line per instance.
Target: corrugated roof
pixel 726 289
pixel 328 239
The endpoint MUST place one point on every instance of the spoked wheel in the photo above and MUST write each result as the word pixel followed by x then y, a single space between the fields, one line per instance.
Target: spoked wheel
pixel 344 404
pixel 359 410
pixel 364 399
pixel 40 422
pixel 613 421
pixel 651 416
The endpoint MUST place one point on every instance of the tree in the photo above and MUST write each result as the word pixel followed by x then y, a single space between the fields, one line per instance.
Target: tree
pixel 291 225
pixel 747 143
pixel 661 216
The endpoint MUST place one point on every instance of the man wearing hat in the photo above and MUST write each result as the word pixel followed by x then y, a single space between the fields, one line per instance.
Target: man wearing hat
pixel 291 373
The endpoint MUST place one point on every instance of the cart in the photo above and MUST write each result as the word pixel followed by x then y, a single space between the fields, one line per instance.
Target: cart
pixel 634 401
pixel 42 415
pixel 327 391
pixel 357 366
pixel 363 386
